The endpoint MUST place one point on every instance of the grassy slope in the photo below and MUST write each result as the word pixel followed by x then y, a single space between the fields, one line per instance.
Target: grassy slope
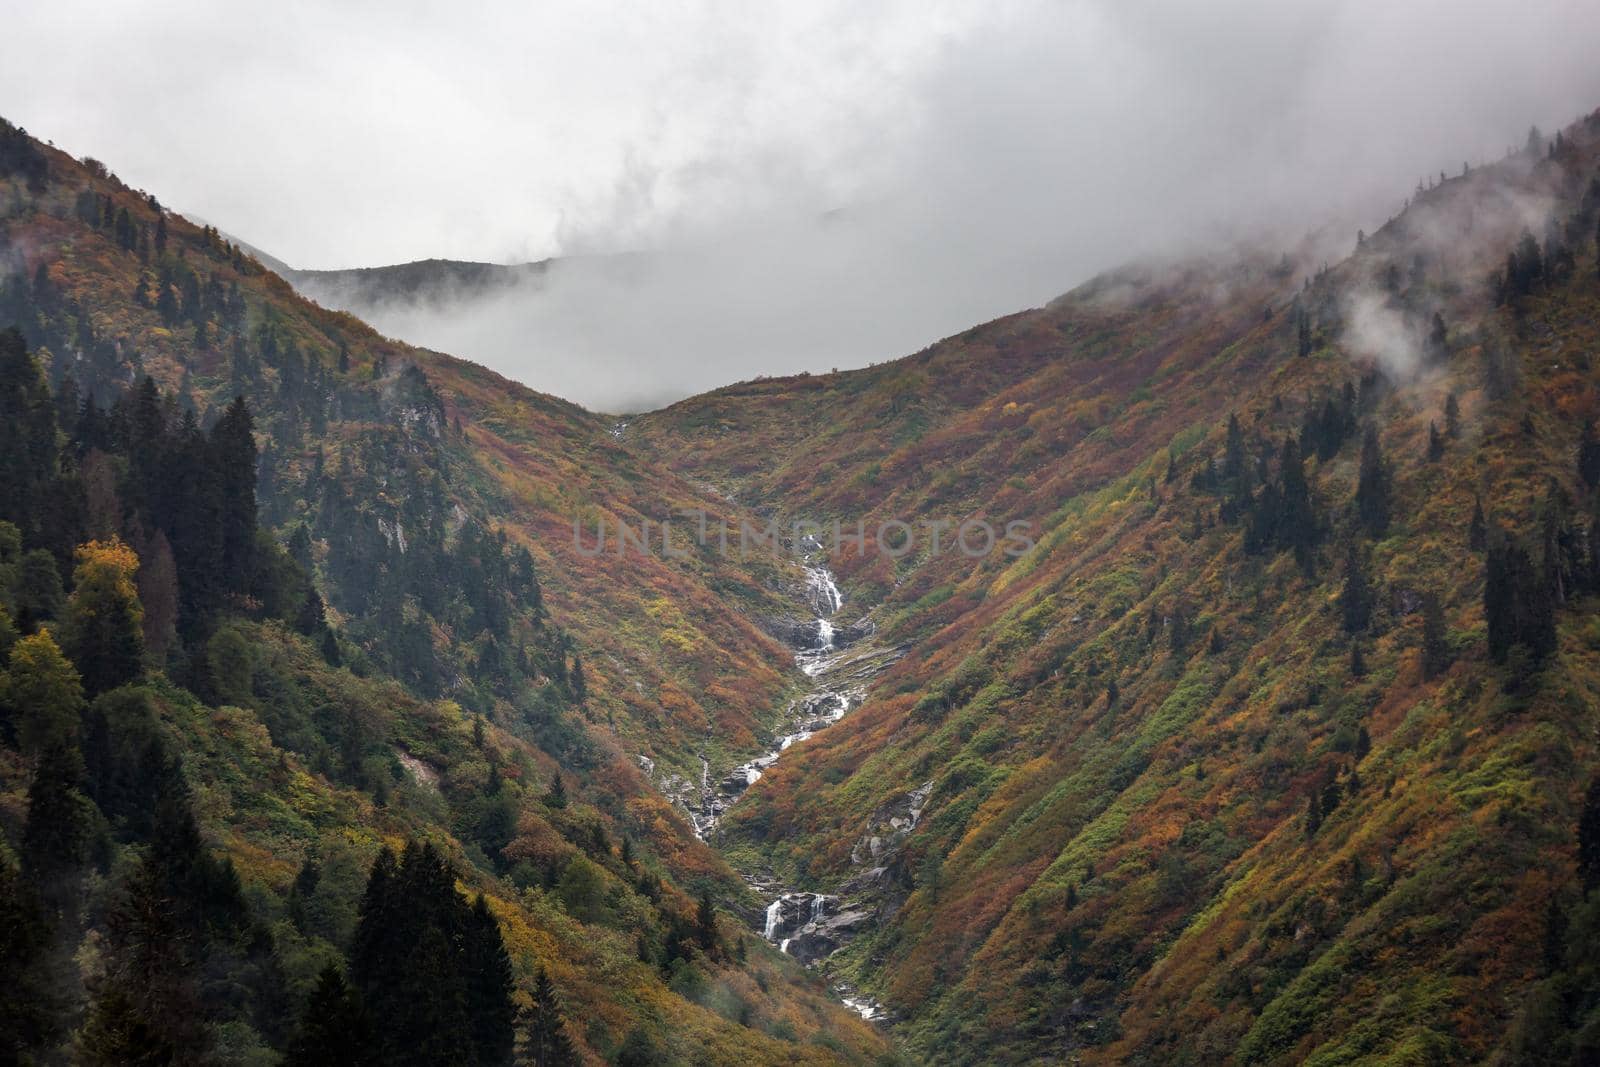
pixel 1134 880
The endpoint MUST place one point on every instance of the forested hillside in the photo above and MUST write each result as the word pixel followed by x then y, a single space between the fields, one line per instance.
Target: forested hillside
pixel 320 739
pixel 324 740
pixel 1276 748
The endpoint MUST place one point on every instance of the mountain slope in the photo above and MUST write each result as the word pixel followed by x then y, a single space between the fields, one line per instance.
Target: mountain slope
pixel 480 669
pixel 1190 790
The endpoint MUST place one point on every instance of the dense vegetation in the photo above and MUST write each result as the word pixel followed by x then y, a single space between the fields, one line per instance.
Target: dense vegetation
pixel 301 745
pixel 1277 748
pixel 320 740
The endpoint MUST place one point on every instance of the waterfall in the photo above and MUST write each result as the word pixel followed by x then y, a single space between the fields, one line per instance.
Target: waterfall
pixel 819 908
pixel 773 911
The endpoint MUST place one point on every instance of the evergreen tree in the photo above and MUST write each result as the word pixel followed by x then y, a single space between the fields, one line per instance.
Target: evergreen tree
pixel 144 1007
pixel 1452 417
pixel 1355 599
pixel 1477 530
pixel 233 455
pixel 30 1006
pixel 55 843
pixel 1517 604
pixel 547 1043
pixel 29 458
pixel 1234 467
pixel 1589 455
pixel 1435 640
pixel 1589 839
pixel 432 968
pixel 580 686
pixel 312 616
pixel 38 593
pixel 489 987
pixel 335 1030
pixel 705 922
pixel 557 796
pixel 1372 490
pixel 1358 662
pixel 1435 444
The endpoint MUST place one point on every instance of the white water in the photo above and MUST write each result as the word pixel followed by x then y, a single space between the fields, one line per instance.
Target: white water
pixel 817 710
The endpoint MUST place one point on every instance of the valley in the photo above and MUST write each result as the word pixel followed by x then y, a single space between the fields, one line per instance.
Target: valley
pixel 1276 744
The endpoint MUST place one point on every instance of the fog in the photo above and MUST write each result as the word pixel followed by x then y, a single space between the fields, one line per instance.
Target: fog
pixel 735 192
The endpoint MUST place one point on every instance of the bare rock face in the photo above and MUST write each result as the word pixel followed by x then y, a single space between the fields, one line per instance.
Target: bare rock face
pixel 822 938
pixel 801 635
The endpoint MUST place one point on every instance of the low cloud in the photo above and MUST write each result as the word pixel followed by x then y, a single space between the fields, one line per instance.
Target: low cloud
pixel 743 192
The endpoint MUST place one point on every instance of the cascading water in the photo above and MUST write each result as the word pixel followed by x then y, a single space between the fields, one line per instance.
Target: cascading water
pixel 791 913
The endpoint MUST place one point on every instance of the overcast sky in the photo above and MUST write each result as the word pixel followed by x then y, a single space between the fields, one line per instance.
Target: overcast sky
pixel 826 184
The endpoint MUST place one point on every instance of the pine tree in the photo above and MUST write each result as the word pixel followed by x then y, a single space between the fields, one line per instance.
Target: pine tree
pixel 1435 444
pixel 233 458
pixel 29 456
pixel 546 1040
pixel 1589 455
pixel 37 592
pixel 432 968
pixel 1358 662
pixel 1438 339
pixel 1313 813
pixel 1372 490
pixel 1355 598
pixel 312 616
pixel 1234 469
pixel 556 797
pixel 1478 529
pixel 55 843
pixel 1452 417
pixel 334 1031
pixel 580 685
pixel 1435 640
pixel 489 987
pixel 1517 604
pixel 705 922
pixel 144 1007
pixel 30 1005
pixel 1589 839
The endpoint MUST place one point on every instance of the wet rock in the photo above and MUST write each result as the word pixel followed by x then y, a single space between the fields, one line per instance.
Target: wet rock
pixel 803 635
pixel 821 939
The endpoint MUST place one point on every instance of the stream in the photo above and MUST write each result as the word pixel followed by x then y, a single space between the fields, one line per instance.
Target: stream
pixel 808 926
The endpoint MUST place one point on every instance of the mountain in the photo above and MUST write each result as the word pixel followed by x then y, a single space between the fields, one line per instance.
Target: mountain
pixel 434 283
pixel 1275 747
pixel 346 612
pixel 1202 667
